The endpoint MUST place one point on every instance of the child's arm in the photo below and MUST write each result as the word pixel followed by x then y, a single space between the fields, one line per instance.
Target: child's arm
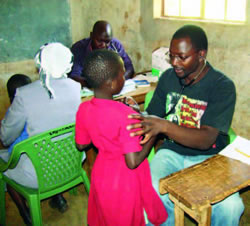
pixel 134 159
pixel 83 147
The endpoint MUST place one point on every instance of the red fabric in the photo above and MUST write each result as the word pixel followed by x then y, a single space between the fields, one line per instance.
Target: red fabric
pixel 118 194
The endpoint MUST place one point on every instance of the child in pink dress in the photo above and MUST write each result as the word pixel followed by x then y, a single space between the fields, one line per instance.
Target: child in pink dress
pixel 121 186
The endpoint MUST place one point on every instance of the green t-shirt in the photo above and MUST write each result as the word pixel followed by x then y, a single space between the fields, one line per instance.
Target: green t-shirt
pixel 209 102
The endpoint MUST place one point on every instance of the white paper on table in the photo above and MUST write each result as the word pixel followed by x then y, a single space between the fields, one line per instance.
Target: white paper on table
pixel 129 86
pixel 147 76
pixel 239 149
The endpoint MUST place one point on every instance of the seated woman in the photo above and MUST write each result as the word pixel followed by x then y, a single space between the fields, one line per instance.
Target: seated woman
pixel 40 106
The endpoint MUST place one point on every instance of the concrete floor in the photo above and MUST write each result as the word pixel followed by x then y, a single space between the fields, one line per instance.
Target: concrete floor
pixel 76 215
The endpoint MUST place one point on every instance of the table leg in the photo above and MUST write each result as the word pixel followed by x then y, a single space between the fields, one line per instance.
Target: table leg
pixel 178 212
pixel 201 214
pixel 205 216
pixel 179 216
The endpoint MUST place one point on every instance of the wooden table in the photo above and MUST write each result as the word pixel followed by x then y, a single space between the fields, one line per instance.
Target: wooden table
pixel 194 189
pixel 139 96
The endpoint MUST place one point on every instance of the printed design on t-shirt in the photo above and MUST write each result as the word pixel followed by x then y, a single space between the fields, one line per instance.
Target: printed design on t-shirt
pixel 184 111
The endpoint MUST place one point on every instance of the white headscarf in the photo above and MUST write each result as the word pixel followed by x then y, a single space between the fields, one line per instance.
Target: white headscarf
pixel 54 60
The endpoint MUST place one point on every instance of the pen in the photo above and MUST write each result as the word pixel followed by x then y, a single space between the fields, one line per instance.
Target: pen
pixel 236 149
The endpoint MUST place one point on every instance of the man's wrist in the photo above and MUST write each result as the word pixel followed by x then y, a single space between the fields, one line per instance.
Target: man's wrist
pixel 164 126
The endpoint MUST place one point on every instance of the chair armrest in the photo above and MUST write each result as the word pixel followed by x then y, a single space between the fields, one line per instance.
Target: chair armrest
pixel 3 165
pixel 13 160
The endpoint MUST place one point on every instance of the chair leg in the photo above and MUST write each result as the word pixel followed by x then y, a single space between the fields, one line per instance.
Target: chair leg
pixel 86 181
pixel 35 210
pixel 73 191
pixel 2 202
pixel 20 203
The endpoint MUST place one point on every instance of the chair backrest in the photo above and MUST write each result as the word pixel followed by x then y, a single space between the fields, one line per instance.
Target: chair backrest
pixel 148 98
pixel 54 157
pixel 231 135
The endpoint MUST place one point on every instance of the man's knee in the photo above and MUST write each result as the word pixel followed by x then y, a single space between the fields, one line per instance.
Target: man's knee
pixel 232 203
pixel 164 163
pixel 229 210
pixel 158 168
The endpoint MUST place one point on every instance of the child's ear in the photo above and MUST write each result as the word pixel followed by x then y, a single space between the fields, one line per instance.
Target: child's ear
pixel 113 84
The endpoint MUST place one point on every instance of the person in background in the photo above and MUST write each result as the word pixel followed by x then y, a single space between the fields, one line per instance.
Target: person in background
pixel 42 105
pixel 14 82
pixel 121 185
pixel 193 107
pixel 101 37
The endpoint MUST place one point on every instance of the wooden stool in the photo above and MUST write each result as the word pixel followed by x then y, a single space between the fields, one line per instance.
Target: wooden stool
pixel 193 190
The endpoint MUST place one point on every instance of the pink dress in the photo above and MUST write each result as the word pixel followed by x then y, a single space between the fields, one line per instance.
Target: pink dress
pixel 118 195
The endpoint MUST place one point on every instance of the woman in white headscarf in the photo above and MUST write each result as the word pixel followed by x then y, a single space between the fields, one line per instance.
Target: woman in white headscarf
pixel 44 104
pixel 53 61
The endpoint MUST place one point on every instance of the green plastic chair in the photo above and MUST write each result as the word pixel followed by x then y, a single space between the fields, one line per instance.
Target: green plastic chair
pixel 231 135
pixel 148 98
pixel 58 165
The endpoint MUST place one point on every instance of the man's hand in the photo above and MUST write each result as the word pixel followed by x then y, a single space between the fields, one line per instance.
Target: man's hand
pixel 149 126
pixel 199 138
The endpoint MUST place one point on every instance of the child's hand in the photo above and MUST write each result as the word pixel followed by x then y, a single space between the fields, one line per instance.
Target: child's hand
pixel 130 101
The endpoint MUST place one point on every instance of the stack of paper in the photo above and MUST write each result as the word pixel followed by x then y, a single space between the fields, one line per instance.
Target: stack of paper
pixel 129 86
pixel 239 149
pixel 142 83
pixel 147 76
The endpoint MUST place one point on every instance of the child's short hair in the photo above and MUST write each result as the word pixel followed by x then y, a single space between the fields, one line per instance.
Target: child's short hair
pixel 101 65
pixel 15 82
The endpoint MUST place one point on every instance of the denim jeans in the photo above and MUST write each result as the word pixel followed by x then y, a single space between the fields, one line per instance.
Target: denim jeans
pixel 165 162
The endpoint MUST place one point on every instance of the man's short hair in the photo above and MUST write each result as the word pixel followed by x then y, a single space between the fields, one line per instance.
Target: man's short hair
pixel 99 66
pixel 196 34
pixel 100 24
pixel 15 82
